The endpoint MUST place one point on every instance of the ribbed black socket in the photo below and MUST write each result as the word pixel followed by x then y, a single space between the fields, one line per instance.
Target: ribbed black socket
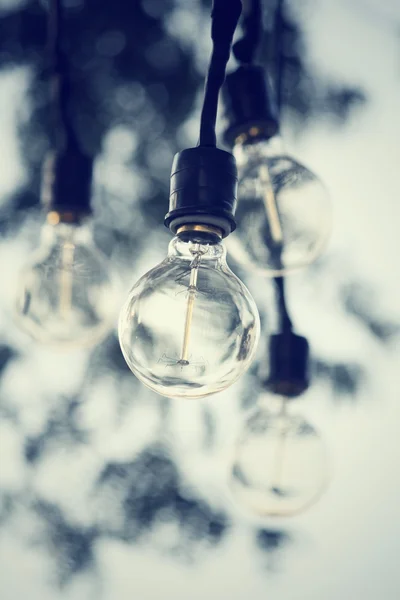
pixel 203 189
pixel 288 368
pixel 249 107
pixel 67 182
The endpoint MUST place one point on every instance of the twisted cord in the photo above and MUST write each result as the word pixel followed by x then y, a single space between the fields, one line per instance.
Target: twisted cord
pixel 285 322
pixel 246 48
pixel 224 18
pixel 60 80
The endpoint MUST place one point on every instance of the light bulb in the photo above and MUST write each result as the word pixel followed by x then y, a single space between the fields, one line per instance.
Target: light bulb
pixel 280 466
pixel 189 327
pixel 65 295
pixel 283 215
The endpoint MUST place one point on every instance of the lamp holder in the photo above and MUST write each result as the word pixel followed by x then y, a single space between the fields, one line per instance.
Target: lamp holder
pixel 66 185
pixel 203 189
pixel 251 103
pixel 288 364
pixel 250 111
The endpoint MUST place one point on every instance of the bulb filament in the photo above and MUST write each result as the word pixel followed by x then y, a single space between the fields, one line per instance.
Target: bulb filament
pixel 270 206
pixel 192 292
pixel 67 260
pixel 280 452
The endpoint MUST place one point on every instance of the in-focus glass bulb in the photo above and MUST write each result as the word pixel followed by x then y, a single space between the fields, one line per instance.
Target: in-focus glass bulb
pixel 189 327
pixel 66 296
pixel 283 215
pixel 280 465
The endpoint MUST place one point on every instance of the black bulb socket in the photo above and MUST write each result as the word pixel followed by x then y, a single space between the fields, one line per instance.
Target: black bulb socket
pixel 67 183
pixel 203 190
pixel 288 365
pixel 250 113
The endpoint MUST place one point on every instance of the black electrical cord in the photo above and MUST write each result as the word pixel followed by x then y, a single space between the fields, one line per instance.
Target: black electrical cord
pixel 285 322
pixel 204 179
pixel 246 48
pixel 224 18
pixel 245 51
pixel 68 170
pixel 278 29
pixel 60 80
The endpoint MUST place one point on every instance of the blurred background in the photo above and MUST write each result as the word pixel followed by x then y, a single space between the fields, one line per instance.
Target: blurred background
pixel 108 490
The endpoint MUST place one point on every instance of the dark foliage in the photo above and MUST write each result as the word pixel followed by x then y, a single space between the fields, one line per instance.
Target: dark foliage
pixel 62 429
pixel 344 378
pixel 363 303
pixel 6 355
pixel 150 491
pixel 70 545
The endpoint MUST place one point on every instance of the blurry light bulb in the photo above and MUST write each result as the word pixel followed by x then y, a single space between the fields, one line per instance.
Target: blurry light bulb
pixel 189 327
pixel 283 214
pixel 66 294
pixel 280 466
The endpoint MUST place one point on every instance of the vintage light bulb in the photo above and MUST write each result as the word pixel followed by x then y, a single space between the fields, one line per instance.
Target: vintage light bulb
pixel 283 214
pixel 65 296
pixel 189 327
pixel 280 465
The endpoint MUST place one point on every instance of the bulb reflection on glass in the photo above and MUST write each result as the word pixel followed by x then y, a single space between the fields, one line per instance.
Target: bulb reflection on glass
pixel 66 296
pixel 283 215
pixel 189 327
pixel 280 466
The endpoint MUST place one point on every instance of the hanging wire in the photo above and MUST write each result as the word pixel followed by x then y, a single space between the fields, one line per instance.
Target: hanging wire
pixel 60 80
pixel 224 18
pixel 285 322
pixel 67 169
pixel 245 50
pixel 278 29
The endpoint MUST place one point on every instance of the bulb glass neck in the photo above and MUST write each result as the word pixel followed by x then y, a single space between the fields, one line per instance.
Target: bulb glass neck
pixel 275 405
pixel 244 151
pixel 73 218
pixel 62 232
pixel 200 233
pixel 188 250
